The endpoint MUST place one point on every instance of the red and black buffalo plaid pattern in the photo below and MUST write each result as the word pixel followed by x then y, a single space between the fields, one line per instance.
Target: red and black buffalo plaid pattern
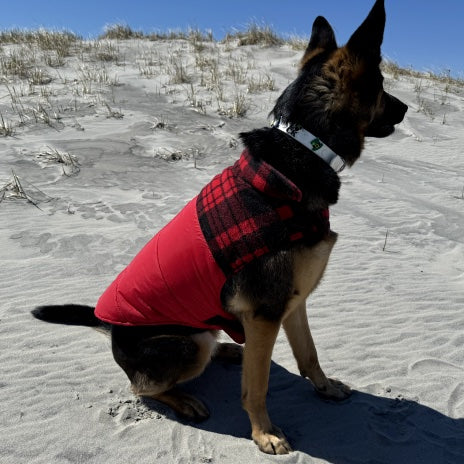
pixel 251 209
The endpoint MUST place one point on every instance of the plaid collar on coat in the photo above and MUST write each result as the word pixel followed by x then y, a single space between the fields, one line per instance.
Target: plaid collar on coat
pixel 250 210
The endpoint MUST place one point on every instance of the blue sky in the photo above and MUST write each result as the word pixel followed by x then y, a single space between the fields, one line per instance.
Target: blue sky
pixel 424 34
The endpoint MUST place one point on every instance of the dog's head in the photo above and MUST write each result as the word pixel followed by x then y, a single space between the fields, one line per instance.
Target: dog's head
pixel 338 94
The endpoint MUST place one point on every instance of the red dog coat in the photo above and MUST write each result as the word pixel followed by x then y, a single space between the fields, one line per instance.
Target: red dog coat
pixel 247 211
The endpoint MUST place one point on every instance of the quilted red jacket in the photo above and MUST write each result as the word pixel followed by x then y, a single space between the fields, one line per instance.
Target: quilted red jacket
pixel 247 211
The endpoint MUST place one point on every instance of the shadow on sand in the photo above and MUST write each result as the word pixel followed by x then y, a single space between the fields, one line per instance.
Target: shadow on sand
pixel 365 428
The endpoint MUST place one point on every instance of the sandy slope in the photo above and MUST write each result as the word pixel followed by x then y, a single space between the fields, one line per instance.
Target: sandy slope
pixel 387 318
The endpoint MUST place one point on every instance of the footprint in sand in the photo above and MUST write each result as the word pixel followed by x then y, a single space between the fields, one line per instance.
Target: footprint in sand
pixel 94 210
pixel 130 411
pixel 432 365
pixel 43 242
pixel 118 213
pixel 440 368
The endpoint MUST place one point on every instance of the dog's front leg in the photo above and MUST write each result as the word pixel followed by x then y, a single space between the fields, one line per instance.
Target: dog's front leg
pixel 297 329
pixel 260 337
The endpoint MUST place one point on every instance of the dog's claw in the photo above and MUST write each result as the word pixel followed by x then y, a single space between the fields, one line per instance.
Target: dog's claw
pixel 273 442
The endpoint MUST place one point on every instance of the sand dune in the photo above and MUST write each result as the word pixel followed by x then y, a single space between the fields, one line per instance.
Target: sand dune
pixel 135 145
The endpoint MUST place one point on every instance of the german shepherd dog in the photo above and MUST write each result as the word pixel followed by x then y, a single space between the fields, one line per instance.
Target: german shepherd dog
pixel 338 96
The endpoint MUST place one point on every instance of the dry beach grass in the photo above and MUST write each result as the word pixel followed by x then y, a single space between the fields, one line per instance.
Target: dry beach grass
pixel 103 141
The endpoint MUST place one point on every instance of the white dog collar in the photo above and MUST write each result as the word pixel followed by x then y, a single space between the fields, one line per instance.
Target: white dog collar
pixel 313 143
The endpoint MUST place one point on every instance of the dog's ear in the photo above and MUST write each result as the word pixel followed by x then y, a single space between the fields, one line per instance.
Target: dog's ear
pixel 322 39
pixel 367 39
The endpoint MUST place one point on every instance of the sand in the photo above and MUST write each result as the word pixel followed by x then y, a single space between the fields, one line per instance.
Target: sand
pixel 387 319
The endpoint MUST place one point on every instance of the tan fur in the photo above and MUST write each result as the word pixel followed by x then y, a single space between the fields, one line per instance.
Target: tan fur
pixel 297 329
pixel 343 70
pixel 142 386
pixel 308 265
pixel 239 305
pixel 309 56
pixel 260 338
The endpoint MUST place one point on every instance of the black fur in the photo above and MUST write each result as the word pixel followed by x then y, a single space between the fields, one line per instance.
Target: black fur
pixel 69 314
pixel 159 353
pixel 322 36
pixel 318 182
pixel 368 38
pixel 258 283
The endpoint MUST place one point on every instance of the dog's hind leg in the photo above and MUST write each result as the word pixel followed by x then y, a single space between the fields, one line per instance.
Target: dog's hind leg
pixel 156 364
pixel 297 329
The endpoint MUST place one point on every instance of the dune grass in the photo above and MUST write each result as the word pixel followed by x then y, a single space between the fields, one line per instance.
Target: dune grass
pixel 37 67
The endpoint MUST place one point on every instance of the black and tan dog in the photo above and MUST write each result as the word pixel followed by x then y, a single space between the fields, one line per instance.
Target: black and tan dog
pixel 336 101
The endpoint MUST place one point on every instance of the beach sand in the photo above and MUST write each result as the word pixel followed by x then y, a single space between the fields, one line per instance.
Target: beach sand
pixel 105 162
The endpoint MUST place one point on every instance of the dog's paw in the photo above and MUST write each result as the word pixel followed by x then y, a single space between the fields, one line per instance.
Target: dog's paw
pixel 192 409
pixel 273 442
pixel 229 352
pixel 333 390
pixel 184 405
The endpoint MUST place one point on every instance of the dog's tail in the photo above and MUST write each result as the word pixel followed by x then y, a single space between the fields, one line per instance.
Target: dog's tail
pixel 70 314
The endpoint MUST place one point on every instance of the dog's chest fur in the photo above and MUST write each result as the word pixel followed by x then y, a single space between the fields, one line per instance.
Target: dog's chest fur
pixel 274 287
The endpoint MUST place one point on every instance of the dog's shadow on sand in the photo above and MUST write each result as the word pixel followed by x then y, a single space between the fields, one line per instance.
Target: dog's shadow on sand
pixel 365 428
